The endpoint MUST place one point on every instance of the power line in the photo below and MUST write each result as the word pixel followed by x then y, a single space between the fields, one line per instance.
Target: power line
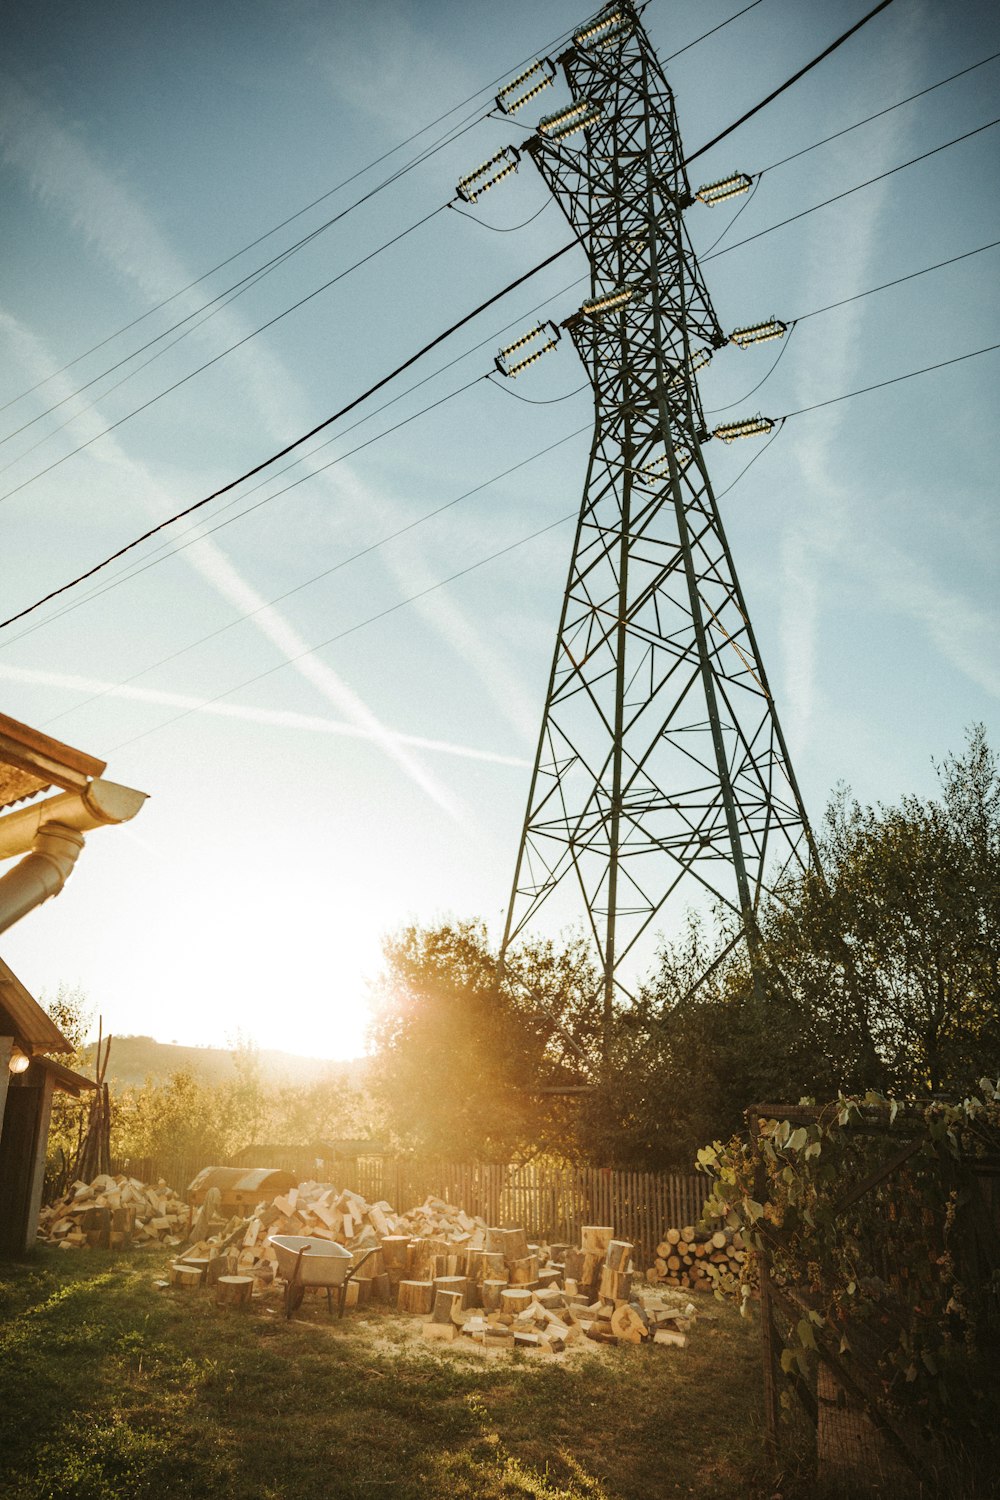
pixel 297 442
pixel 235 288
pixel 705 34
pixel 503 551
pixel 15 489
pixel 252 244
pixel 788 83
pixel 564 250
pixel 881 384
pixel 197 532
pixel 879 113
pixel 359 625
pixel 897 281
pixel 251 278
pixel 326 573
pixel 803 213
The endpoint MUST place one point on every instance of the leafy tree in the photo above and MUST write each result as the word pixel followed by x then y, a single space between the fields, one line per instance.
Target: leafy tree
pixel 882 972
pixel 894 957
pixel 463 1050
pixel 73 1013
pixel 169 1119
pixel 322 1110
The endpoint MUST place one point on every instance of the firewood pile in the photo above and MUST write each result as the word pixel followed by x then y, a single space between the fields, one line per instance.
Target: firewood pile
pixel 114 1212
pixel 463 1277
pixel 515 1294
pixel 684 1257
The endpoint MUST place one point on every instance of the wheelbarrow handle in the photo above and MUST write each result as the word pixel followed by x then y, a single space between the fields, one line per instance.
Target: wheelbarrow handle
pixel 352 1272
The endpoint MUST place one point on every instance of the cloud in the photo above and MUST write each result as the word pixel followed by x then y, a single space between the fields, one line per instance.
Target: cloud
pixel 279 718
pixel 62 172
pixel 840 264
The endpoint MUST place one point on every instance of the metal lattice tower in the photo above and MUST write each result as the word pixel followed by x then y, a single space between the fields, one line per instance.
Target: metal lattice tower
pixel 661 767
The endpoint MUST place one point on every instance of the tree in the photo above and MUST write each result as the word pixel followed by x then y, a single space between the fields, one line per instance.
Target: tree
pixel 463 1049
pixel 73 1013
pixel 893 956
pixel 878 972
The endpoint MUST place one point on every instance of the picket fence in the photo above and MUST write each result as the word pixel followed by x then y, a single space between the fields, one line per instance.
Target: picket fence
pixel 549 1201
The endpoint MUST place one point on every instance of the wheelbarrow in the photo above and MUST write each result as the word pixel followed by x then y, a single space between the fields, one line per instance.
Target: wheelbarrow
pixel 304 1261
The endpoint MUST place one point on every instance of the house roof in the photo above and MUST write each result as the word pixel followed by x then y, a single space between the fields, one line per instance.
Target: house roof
pixel 66 1079
pixel 32 762
pixel 22 1017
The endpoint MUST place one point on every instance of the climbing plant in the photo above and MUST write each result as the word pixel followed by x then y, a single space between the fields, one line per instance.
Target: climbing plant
pixel 876 1222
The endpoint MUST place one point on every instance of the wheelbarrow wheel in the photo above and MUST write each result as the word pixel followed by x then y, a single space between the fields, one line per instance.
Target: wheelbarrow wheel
pixel 293 1298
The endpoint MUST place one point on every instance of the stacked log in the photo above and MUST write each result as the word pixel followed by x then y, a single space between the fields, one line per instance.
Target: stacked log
pixel 114 1212
pixel 694 1258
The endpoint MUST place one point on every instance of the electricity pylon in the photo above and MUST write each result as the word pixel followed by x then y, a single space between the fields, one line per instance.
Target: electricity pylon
pixel 661 767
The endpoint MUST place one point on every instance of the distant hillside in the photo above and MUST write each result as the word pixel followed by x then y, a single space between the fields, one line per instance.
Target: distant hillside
pixel 136 1058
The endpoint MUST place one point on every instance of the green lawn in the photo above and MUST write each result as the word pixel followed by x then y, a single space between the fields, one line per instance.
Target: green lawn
pixel 113 1390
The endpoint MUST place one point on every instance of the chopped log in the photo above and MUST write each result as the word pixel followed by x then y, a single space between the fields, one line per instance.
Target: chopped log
pixel 416 1297
pixel 617 1255
pixel 719 1239
pixel 492 1289
pixel 595 1238
pixel 629 1324
pixel 616 1285
pixel 672 1236
pixel 591 1268
pixel 514 1244
pixel 666 1336
pixel 486 1265
pixel 395 1252
pixel 446 1304
pixel 663 1248
pixel 219 1265
pixel 573 1264
pixel 525 1271
pixel 233 1291
pixel 514 1299
pixel 687 1233
pixel 458 1284
pixel 186 1276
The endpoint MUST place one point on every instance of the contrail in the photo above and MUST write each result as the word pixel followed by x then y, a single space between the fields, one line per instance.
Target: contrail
pixel 280 718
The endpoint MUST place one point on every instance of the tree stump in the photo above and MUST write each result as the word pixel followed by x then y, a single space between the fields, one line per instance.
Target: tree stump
pixel 233 1291
pixel 514 1299
pixel 416 1297
pixel 595 1238
pixel 617 1255
pixel 395 1252
pixel 458 1284
pixel 492 1290
pixel 185 1276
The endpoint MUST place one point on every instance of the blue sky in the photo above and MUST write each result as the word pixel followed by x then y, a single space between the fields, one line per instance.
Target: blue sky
pixel 382 779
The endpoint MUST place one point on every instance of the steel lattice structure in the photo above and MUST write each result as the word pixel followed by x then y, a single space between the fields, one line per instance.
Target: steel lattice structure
pixel 661 767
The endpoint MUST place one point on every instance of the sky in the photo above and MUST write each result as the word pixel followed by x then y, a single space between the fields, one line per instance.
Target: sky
pixel 332 692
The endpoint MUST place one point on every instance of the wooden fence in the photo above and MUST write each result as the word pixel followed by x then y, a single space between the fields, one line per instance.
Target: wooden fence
pixel 550 1202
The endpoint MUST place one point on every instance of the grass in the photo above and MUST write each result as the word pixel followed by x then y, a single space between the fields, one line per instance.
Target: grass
pixel 111 1389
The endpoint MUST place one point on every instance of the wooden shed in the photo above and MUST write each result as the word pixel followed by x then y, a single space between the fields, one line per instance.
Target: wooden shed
pixel 28 1080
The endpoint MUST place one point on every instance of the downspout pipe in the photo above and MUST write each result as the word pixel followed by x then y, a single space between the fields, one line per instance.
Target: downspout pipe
pixel 40 874
pixel 49 835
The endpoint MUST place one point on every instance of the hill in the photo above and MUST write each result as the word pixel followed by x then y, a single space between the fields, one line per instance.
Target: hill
pixel 136 1058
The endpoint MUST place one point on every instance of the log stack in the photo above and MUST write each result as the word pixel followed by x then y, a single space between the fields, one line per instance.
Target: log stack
pixel 693 1258
pixel 114 1212
pixel 548 1318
